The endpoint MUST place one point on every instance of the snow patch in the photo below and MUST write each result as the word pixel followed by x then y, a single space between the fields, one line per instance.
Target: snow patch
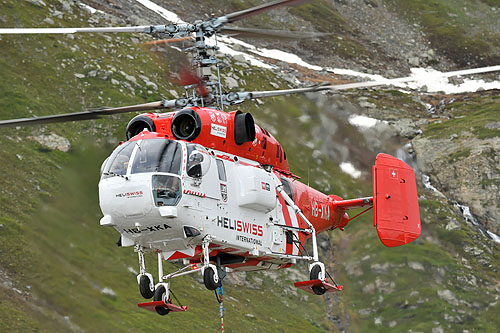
pixel 91 10
pixel 224 46
pixel 362 121
pixel 427 79
pixel 166 14
pixel 285 56
pixel 348 168
pixel 434 81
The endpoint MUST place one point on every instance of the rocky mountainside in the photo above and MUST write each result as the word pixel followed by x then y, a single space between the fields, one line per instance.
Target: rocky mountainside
pixel 61 271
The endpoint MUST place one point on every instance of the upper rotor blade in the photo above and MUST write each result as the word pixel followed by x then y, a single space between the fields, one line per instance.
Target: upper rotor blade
pixel 264 33
pixel 84 115
pixel 144 28
pixel 260 9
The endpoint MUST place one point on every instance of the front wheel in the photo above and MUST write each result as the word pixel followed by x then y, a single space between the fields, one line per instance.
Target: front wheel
pixel 314 275
pixel 158 296
pixel 146 288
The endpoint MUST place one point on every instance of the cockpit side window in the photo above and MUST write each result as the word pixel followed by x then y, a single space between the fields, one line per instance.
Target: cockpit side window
pixel 198 161
pixel 158 155
pixel 287 187
pixel 117 163
pixel 222 170
pixel 166 190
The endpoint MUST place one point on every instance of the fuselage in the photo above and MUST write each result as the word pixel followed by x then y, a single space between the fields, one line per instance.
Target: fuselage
pixel 166 195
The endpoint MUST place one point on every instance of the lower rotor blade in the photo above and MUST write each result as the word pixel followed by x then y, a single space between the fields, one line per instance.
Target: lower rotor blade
pixel 264 33
pixel 84 115
pixel 260 9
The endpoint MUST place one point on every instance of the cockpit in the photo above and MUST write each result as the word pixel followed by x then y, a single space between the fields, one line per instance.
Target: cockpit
pixel 159 156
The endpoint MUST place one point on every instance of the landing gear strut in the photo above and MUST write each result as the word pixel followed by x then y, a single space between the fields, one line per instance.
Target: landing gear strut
pixel 145 280
pixel 162 303
pixel 317 273
pixel 212 275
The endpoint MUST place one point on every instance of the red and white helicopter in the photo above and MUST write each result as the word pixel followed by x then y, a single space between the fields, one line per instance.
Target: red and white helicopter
pixel 214 189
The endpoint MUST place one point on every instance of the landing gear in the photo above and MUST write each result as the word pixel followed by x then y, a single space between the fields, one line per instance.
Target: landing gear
pixel 212 275
pixel 161 294
pixel 210 278
pixel 146 286
pixel 145 280
pixel 161 304
pixel 317 273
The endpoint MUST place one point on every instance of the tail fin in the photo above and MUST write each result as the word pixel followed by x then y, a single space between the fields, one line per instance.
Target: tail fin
pixel 395 203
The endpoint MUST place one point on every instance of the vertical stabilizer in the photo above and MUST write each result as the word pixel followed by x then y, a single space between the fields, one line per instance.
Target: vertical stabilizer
pixel 395 203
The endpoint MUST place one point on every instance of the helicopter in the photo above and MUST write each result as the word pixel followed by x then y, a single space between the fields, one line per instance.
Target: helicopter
pixel 214 189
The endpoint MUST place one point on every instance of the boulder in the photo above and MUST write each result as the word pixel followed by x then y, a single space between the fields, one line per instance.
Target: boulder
pixel 52 141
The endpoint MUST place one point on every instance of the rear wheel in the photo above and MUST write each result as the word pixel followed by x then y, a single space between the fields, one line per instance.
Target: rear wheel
pixel 158 296
pixel 145 287
pixel 314 275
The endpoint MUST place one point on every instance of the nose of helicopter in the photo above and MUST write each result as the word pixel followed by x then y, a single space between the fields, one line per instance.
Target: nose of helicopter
pixel 120 197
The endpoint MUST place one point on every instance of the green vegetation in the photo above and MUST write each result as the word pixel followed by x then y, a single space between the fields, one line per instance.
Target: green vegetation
pixel 459 154
pixel 468 116
pixel 390 289
pixel 454 28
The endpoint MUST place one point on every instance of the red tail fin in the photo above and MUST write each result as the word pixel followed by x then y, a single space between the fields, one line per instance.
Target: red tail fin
pixel 395 202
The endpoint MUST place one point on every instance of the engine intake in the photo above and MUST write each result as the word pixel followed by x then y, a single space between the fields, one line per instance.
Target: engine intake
pixel 244 128
pixel 138 124
pixel 186 125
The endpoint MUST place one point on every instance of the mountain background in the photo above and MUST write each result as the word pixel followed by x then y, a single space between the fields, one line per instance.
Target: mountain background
pixel 61 271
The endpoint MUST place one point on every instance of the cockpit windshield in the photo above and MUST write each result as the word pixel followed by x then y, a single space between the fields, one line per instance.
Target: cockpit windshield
pixel 158 155
pixel 117 163
pixel 153 155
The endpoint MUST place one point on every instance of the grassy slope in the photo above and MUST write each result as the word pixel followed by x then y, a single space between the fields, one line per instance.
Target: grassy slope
pixel 52 247
pixel 469 115
pixel 412 303
pixel 462 30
